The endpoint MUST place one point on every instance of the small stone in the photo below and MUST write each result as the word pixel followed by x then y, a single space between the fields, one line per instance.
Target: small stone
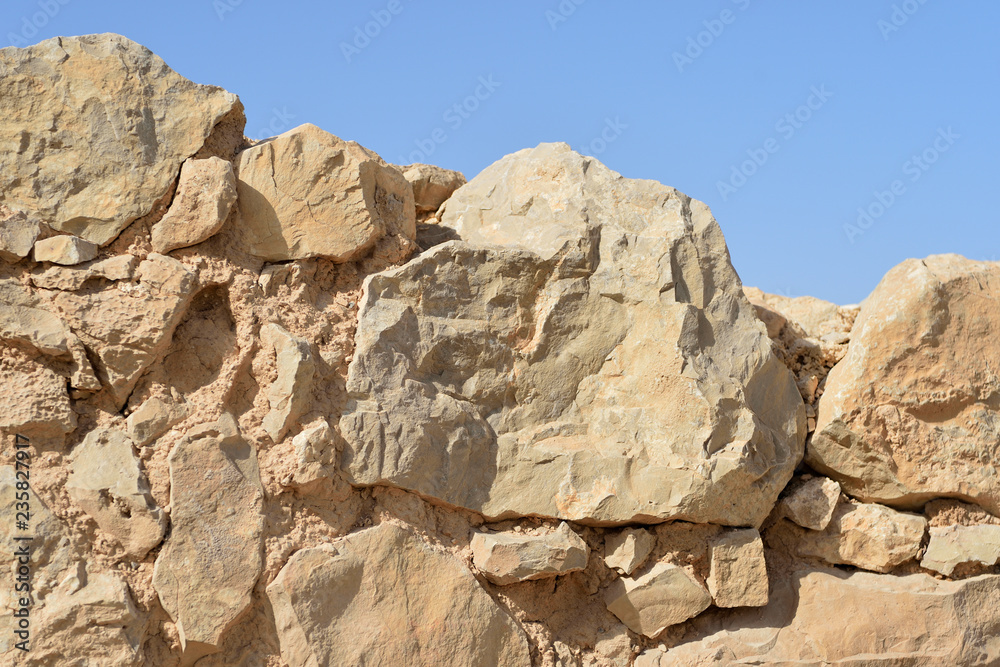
pixel 812 504
pixel 288 395
pixel 869 536
pixel 314 452
pixel 65 250
pixel 951 546
pixel 738 576
pixel 431 185
pixel 506 558
pixel 627 550
pixel 71 279
pixel 152 419
pixel 107 483
pixel 662 596
pixel 18 233
pixel 205 197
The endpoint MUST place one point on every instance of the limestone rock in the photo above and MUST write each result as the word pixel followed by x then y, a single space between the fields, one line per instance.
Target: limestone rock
pixel 813 503
pixel 388 599
pixel 208 566
pixel 507 558
pixel 627 550
pixel 96 621
pixel 663 595
pixel 65 250
pixel 289 394
pixel 102 126
pixel 205 196
pixel 872 537
pixel 73 278
pixel 307 193
pixel 830 617
pixel 34 401
pixel 739 573
pixel 911 411
pixel 17 234
pixel 38 328
pixel 128 326
pixel 595 361
pixel 315 453
pixel 431 185
pixel 152 419
pixel 951 546
pixel 107 483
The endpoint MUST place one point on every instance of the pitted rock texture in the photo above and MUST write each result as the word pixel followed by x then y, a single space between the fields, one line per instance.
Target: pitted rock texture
pixel 101 127
pixel 389 598
pixel 913 410
pixel 585 353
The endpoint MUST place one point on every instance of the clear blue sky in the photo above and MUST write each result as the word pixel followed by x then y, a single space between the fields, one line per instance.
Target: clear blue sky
pixel 881 94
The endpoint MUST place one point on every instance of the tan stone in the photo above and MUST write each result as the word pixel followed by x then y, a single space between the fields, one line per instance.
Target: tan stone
pixel 72 278
pixel 101 126
pixel 661 596
pixel 951 546
pixel 812 504
pixel 738 575
pixel 18 233
pixel 872 537
pixel 34 401
pixel 206 571
pixel 205 196
pixel 508 558
pixel 627 550
pixel 431 185
pixel 289 395
pixel 65 250
pixel 388 599
pixel 129 325
pixel 107 482
pixel 152 419
pixel 911 411
pixel 525 377
pixel 315 453
pixel 830 617
pixel 307 193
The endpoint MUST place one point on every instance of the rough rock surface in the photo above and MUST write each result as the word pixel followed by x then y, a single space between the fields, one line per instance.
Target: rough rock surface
pixel 627 550
pixel 18 233
pixel 660 596
pixel 102 126
pixel 889 621
pixel 813 503
pixel 208 568
pixel 65 250
pixel 507 558
pixel 107 483
pixel 912 411
pixel 515 374
pixel 869 536
pixel 307 193
pixel 951 546
pixel 739 572
pixel 389 598
pixel 205 196
pixel 289 393
pixel 431 185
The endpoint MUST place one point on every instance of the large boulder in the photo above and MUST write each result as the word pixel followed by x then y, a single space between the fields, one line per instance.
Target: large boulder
pixel 382 596
pixel 829 617
pixel 586 352
pixel 911 412
pixel 94 130
pixel 307 193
